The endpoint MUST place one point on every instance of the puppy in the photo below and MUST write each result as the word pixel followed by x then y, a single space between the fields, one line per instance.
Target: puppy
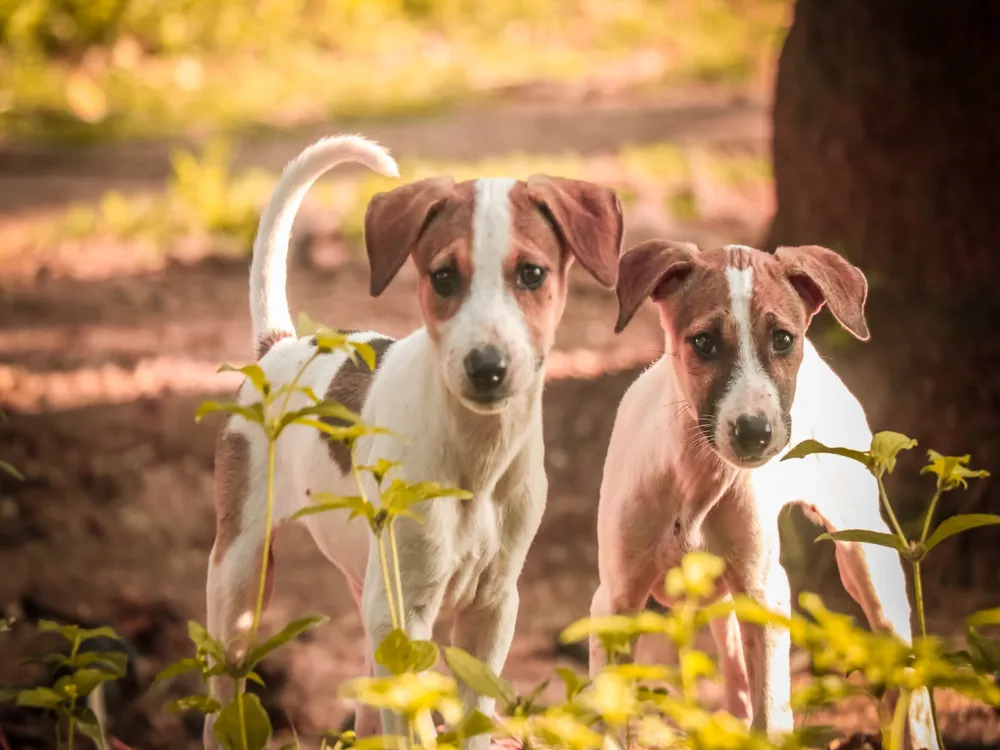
pixel 464 391
pixel 694 456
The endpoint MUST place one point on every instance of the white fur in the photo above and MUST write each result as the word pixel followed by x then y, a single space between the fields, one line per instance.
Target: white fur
pixel 465 559
pixel 752 391
pixel 661 499
pixel 268 298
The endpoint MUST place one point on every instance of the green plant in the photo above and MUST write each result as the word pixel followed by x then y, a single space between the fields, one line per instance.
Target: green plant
pixel 83 673
pixel 951 472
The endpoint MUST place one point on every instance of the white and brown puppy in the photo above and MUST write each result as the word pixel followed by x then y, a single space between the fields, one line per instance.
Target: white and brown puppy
pixel 694 456
pixel 465 390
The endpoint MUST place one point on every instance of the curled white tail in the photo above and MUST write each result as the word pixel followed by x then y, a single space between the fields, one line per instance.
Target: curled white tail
pixel 268 296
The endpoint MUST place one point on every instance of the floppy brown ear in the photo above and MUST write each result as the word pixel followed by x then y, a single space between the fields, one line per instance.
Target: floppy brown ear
pixel 589 220
pixel 654 268
pixel 395 220
pixel 822 276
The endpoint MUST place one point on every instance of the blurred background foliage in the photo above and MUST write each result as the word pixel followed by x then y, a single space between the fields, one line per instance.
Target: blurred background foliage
pixel 89 69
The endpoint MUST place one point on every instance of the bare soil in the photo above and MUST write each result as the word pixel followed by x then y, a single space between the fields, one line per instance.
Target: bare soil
pixel 104 359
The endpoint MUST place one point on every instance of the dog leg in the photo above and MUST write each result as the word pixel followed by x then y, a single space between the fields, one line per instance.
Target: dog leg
pixel 618 595
pixel 874 577
pixel 767 649
pixel 486 633
pixel 728 641
pixel 232 593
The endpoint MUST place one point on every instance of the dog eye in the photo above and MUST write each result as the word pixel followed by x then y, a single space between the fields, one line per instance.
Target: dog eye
pixel 704 346
pixel 530 276
pixel 445 281
pixel 782 340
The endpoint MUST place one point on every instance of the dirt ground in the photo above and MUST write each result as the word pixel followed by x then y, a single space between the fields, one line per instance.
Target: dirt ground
pixel 104 358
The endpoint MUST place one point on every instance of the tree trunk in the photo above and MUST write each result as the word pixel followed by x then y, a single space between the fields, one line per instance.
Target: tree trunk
pixel 887 149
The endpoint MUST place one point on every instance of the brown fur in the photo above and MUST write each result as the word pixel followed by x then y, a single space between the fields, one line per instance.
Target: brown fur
pixel 349 387
pixel 232 483
pixel 269 339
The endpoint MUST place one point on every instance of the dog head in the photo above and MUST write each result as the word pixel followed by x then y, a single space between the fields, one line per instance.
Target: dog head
pixel 736 318
pixel 493 257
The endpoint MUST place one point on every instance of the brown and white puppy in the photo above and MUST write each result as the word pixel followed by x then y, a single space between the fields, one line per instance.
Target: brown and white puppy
pixel 693 460
pixel 464 391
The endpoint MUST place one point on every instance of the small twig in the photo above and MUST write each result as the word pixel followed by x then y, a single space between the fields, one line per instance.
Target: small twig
pixel 117 744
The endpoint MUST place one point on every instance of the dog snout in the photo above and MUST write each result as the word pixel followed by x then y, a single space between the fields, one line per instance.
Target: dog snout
pixel 752 435
pixel 486 369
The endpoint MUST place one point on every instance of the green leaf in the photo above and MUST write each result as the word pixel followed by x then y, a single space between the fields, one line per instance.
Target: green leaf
pixel 342 434
pixel 886 446
pixel 86 724
pixel 256 679
pixel 201 703
pixel 951 471
pixel 69 632
pixel 478 676
pixel 957 524
pixel 380 469
pixel 83 681
pixel 984 618
pixel 984 652
pixel 204 642
pixel 114 662
pixel 327 502
pixel 41 697
pixel 574 683
pixel 475 723
pixel 402 495
pixel 814 447
pixel 252 413
pixel 366 352
pixel 325 410
pixel 257 723
pixel 306 326
pixel 179 667
pixel 254 374
pixel 8 468
pixel 290 632
pixel 867 537
pixel 399 654
pixel 819 736
pixel 331 341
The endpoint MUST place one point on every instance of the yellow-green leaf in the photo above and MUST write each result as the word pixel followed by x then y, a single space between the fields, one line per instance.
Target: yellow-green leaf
pixel 179 667
pixel 867 537
pixel 229 730
pixel 957 524
pixel 251 413
pixel 290 632
pixel 814 447
pixel 886 446
pixel 366 352
pixel 8 468
pixel 478 676
pixel 984 618
pixel 254 374
pixel 39 698
pixel 952 471
pixel 574 683
pixel 201 703
pixel 326 502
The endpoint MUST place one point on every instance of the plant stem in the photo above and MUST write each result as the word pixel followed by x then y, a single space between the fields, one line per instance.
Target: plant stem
pixel 71 730
pixel 889 512
pixel 399 578
pixel 295 381
pixel 918 594
pixel 387 582
pixel 266 553
pixel 243 718
pixel 930 514
pixel 898 729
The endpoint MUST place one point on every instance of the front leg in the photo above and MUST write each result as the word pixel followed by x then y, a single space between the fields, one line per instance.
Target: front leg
pixel 768 652
pixel 486 633
pixel 421 606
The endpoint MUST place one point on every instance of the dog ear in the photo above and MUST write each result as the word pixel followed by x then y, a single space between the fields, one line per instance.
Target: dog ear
pixel 822 276
pixel 394 222
pixel 588 220
pixel 655 268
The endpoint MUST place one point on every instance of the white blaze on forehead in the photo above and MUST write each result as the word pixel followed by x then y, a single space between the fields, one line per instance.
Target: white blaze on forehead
pixel 751 390
pixel 490 235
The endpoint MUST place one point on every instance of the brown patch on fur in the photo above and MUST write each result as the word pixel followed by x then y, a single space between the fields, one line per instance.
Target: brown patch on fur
pixel 395 223
pixel 269 339
pixel 588 219
pixel 232 485
pixel 349 387
pixel 535 240
pixel 446 241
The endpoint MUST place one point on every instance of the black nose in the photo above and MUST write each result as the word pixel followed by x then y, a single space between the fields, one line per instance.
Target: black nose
pixel 752 435
pixel 486 369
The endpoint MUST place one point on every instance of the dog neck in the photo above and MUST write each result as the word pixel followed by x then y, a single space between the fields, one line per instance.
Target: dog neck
pixel 479 448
